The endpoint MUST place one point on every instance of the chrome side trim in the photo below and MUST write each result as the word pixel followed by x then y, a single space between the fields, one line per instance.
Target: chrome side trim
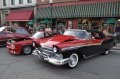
pixel 75 47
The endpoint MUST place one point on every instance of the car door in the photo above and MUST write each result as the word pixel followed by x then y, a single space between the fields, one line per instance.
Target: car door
pixel 5 35
pixel 91 47
pixel 3 38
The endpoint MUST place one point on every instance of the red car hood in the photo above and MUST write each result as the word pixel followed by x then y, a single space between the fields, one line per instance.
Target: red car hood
pixel 56 40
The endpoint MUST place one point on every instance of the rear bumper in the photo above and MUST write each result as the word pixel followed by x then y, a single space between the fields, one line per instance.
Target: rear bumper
pixel 49 59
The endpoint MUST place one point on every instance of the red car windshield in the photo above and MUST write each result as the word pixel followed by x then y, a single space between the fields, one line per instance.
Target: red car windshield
pixel 79 34
pixel 38 35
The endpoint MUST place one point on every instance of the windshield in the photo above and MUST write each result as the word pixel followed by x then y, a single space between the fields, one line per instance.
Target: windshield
pixel 21 31
pixel 38 35
pixel 2 28
pixel 79 34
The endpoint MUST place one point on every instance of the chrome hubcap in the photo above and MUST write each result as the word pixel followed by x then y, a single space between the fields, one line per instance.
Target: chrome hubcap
pixel 27 49
pixel 73 60
pixel 106 52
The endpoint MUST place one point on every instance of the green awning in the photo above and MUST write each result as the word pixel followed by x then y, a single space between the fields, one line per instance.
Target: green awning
pixel 98 9
pixel 43 13
pixel 31 22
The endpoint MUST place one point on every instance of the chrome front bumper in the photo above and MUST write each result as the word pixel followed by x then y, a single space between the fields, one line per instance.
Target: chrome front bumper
pixel 50 59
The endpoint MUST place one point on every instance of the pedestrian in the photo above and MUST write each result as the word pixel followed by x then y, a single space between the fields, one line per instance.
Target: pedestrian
pixel 106 31
pixel 117 32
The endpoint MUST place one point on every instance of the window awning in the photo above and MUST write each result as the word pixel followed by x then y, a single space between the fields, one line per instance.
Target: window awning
pixel 20 15
pixel 98 9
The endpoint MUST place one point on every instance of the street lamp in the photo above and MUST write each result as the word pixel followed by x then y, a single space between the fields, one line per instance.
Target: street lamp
pixel 51 1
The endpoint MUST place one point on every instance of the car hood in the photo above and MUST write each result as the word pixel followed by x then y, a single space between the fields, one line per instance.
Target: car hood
pixel 56 40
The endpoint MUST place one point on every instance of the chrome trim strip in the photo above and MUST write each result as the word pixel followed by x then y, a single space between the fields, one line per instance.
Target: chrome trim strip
pixel 75 47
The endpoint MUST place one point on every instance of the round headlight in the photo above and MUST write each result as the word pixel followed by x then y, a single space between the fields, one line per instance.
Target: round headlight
pixel 55 49
pixel 13 46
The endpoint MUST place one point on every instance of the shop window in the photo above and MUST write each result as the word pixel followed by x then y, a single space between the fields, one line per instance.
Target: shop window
pixel 29 1
pixel 20 1
pixel 4 3
pixel 95 25
pixel 12 2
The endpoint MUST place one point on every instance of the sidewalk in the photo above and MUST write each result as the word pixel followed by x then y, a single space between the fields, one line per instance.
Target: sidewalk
pixel 117 47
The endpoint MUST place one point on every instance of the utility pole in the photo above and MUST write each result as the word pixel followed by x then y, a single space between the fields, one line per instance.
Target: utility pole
pixel 51 1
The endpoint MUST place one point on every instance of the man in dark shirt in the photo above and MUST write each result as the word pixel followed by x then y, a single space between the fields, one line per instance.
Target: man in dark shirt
pixel 117 31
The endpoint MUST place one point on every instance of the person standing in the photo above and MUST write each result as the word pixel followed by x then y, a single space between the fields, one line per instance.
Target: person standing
pixel 106 31
pixel 117 29
pixel 117 32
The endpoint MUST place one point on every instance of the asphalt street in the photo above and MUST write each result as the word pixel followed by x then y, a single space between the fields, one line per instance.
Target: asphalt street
pixel 30 67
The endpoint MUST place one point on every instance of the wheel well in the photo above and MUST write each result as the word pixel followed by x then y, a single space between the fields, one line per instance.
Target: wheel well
pixel 68 53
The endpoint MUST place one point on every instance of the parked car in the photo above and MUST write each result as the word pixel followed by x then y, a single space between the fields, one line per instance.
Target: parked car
pixel 73 45
pixel 8 32
pixel 24 46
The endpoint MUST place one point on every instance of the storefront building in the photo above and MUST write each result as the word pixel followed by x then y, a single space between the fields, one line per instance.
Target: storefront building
pixel 20 17
pixel 17 12
pixel 85 14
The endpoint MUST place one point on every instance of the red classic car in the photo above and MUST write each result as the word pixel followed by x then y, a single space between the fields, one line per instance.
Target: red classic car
pixel 8 32
pixel 73 45
pixel 24 46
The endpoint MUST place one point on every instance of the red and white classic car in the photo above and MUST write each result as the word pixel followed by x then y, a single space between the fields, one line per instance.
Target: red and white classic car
pixel 24 46
pixel 9 32
pixel 73 45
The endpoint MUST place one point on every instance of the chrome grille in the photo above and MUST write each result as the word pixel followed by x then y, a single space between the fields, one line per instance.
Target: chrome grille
pixel 47 52
pixel 47 48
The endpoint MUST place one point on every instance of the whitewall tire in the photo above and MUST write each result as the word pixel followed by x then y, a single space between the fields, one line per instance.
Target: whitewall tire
pixel 73 62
